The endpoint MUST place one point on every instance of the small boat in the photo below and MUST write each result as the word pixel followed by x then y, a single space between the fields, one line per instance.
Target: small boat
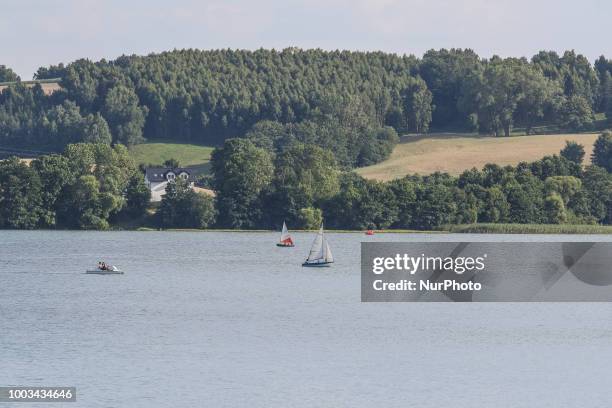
pixel 320 254
pixel 369 232
pixel 285 239
pixel 110 270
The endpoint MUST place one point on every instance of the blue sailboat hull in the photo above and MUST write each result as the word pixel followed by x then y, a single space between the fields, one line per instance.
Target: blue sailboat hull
pixel 318 264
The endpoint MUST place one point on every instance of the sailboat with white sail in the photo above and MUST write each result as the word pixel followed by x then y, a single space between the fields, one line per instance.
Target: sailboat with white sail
pixel 285 239
pixel 320 252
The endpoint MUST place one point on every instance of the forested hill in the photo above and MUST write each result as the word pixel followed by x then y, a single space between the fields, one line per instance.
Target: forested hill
pixel 340 100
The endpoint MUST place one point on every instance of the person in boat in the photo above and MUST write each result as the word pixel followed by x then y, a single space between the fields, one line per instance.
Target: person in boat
pixel 103 266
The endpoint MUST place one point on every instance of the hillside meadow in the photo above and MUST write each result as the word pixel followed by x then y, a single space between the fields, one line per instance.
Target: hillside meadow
pixel 453 152
pixel 156 152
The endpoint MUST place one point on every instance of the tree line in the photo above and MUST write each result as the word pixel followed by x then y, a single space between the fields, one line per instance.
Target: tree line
pixel 95 186
pixel 337 99
pixel 89 186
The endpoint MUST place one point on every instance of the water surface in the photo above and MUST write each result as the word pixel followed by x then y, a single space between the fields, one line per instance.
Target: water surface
pixel 229 319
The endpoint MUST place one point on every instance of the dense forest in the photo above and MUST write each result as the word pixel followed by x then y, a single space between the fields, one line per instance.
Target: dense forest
pixel 352 103
pixel 288 128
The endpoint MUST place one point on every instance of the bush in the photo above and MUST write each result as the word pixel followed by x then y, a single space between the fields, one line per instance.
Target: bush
pixel 555 209
pixel 181 207
pixel 310 218
pixel 573 152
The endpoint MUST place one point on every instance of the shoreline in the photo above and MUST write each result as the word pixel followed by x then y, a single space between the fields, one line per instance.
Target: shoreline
pixel 538 229
pixel 341 231
pixel 517 229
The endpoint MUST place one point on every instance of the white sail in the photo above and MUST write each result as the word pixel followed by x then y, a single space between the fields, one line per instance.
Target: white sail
pixel 328 253
pixel 316 250
pixel 284 233
pixel 320 252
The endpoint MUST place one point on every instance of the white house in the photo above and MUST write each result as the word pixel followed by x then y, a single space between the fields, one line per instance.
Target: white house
pixel 157 178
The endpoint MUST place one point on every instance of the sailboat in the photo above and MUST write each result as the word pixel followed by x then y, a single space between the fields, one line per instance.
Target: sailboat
pixel 320 253
pixel 285 239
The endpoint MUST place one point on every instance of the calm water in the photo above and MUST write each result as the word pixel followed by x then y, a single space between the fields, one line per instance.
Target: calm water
pixel 228 320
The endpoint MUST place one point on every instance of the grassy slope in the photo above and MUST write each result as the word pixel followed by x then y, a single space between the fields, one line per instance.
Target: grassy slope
pixel 156 152
pixel 454 153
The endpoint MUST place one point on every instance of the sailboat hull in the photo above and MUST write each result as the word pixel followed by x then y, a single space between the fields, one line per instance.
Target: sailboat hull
pixel 318 264
pixel 285 245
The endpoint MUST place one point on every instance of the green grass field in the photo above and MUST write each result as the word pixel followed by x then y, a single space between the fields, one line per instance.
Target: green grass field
pixel 156 152
pixel 453 153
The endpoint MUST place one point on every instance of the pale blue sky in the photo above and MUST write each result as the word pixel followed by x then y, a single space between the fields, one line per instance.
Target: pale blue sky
pixel 36 33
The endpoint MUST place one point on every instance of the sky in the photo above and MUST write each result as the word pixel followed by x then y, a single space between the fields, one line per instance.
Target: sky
pixel 40 33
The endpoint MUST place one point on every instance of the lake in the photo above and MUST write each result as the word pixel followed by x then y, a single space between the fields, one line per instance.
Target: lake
pixel 222 319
